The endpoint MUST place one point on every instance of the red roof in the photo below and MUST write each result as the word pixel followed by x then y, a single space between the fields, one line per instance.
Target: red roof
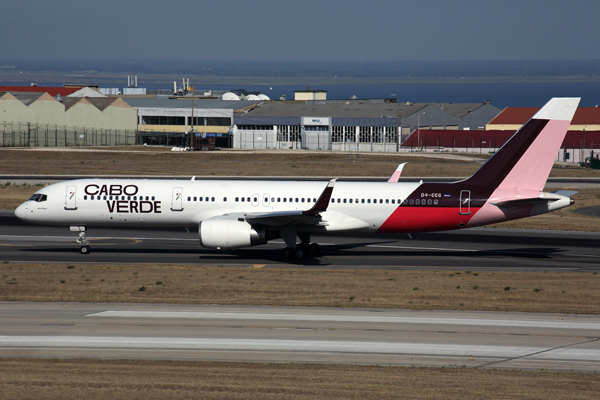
pixel 52 91
pixel 520 115
pixel 490 139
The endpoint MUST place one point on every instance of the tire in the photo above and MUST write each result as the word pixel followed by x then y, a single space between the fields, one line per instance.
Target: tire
pixel 286 253
pixel 314 249
pixel 300 252
pixel 85 249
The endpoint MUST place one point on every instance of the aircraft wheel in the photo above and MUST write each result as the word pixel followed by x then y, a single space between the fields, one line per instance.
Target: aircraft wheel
pixel 286 253
pixel 314 249
pixel 300 252
pixel 84 249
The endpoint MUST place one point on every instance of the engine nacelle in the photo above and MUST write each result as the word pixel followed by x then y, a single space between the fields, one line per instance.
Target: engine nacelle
pixel 229 232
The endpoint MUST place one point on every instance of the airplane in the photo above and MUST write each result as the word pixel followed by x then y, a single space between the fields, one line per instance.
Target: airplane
pixel 232 214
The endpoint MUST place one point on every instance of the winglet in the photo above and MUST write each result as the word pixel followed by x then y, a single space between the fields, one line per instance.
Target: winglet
pixel 396 175
pixel 323 201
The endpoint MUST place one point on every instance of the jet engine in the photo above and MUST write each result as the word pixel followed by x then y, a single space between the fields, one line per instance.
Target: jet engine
pixel 230 232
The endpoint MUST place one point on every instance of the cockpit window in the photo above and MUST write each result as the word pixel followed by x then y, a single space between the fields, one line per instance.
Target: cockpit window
pixel 39 197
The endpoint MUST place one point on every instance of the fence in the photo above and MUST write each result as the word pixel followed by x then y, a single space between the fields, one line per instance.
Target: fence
pixel 19 134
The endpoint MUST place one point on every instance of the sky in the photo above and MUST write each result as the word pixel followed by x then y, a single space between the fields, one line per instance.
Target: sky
pixel 309 30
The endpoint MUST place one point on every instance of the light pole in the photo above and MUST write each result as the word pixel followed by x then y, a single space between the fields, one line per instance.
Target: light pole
pixel 419 131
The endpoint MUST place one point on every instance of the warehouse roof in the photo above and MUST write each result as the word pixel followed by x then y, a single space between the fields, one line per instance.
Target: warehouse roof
pixel 52 91
pixel 369 110
pixel 520 115
pixel 186 103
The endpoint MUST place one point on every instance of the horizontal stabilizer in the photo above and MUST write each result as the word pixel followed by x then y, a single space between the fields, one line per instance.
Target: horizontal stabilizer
pixel 525 202
pixel 566 193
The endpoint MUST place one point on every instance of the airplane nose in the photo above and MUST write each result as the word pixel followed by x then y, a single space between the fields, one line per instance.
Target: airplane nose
pixel 21 211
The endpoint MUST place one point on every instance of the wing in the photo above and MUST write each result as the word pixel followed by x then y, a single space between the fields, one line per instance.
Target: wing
pixel 309 217
pixel 396 175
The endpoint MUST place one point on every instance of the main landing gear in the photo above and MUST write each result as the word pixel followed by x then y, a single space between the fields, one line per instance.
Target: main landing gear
pixel 82 240
pixel 302 250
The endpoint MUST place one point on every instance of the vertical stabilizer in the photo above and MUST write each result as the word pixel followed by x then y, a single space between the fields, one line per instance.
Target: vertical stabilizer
pixel 525 161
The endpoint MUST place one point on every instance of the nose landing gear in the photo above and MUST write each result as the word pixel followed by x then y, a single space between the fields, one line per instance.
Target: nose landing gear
pixel 82 240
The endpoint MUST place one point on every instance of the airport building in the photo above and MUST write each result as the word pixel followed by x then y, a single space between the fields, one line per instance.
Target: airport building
pixel 36 118
pixel 350 125
pixel 173 122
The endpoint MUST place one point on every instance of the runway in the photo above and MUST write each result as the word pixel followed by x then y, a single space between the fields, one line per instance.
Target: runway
pixel 289 334
pixel 471 249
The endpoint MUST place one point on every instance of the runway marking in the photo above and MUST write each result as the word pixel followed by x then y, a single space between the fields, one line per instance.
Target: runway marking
pixel 317 346
pixel 559 324
pixel 291 328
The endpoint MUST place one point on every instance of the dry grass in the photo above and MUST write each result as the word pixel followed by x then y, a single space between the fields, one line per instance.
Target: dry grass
pixel 133 379
pixel 223 163
pixel 506 291
pixel 157 161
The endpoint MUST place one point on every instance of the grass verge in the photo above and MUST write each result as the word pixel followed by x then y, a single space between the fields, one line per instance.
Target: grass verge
pixel 490 291
pixel 133 379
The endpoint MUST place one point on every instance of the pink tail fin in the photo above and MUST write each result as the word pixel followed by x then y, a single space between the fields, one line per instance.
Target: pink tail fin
pixel 525 161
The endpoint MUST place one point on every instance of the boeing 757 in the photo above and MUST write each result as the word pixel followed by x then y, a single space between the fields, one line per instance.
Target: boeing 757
pixel 233 214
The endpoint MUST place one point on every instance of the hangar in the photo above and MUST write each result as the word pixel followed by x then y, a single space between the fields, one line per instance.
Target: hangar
pixel 36 118
pixel 350 125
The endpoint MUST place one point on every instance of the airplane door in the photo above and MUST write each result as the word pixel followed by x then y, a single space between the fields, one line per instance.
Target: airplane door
pixel 71 198
pixel 177 199
pixel 266 200
pixel 465 202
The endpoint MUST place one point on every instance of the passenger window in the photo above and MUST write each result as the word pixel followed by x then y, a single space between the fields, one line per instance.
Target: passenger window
pixel 195 198
pixel 279 199
pixel 199 198
pixel 417 201
pixel 333 200
pixel 429 202
pixel 339 200
pixel 284 200
pixel 302 199
pixel 224 199
pixel 91 197
pixel 412 201
pixel 189 199
pixel 435 202
pixel 147 198
pixel 85 197
pixel 248 199
pixel 344 200
pixel 350 201
pixel 128 197
pixel 406 201
pixel 387 201
pixel 369 201
pixel 110 198
pixel 363 201
pixel 212 199
pixel 393 201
